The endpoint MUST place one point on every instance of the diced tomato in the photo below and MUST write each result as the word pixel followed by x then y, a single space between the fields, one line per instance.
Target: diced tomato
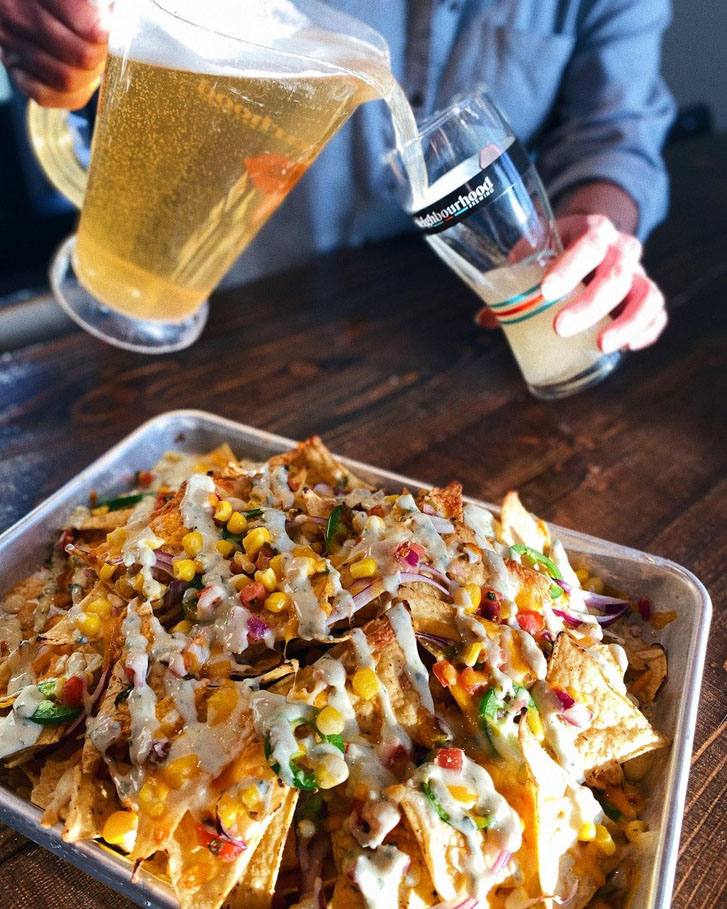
pixel 378 511
pixel 531 622
pixel 265 554
pixel 72 692
pixel 144 477
pixel 253 594
pixel 643 604
pixel 397 758
pixel 449 758
pixel 471 679
pixel 445 673
pixel 419 550
pixel 219 845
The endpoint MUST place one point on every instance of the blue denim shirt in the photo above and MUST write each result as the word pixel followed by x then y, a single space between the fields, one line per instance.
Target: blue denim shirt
pixel 578 79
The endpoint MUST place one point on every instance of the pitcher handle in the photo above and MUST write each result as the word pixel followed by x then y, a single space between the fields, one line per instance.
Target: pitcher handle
pixel 51 138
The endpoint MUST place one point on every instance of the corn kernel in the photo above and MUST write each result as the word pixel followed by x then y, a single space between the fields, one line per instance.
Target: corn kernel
pixel 375 524
pixel 100 607
pixel 604 840
pixel 277 601
pixel 365 683
pixel 240 580
pixel 277 563
pixel 306 829
pixel 267 578
pixel 183 569
pixel 225 548
pixel 153 796
pixel 587 832
pixel 88 624
pixel 199 566
pixel 471 652
pixel 176 773
pixel 138 582
pixel 304 552
pixel 120 829
pixel 634 829
pixel 392 500
pixel 237 523
pixel 463 794
pixel 102 509
pixel 366 568
pixel 193 543
pixel 185 626
pixel 251 799
pixel 330 771
pixel 220 705
pixel 256 538
pixel 475 596
pixel 223 512
pixel 106 571
pixel 535 725
pixel 330 721
pixel 228 811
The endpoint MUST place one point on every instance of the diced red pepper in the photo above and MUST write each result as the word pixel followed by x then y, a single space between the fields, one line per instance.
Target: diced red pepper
pixel 643 604
pixel 253 594
pixel 72 692
pixel 265 554
pixel 530 621
pixel 449 758
pixel 490 605
pixel 471 679
pixel 378 511
pixel 218 845
pixel 144 477
pixel 445 673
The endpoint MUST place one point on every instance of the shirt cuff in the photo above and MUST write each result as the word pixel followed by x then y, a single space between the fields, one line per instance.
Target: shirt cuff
pixel 645 182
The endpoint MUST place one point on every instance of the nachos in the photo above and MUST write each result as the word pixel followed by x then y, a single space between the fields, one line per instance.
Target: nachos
pixel 280 685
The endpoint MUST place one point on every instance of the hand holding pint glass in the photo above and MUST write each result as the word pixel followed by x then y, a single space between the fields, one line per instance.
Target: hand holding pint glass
pixel 483 209
pixel 199 137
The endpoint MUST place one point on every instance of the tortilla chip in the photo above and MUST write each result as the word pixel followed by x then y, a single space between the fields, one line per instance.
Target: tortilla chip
pixel 109 521
pixel 519 526
pixel 53 791
pixel 255 889
pixel 416 890
pixel 92 802
pixel 618 730
pixel 567 868
pixel 446 502
pixel 185 853
pixel 645 682
pixel 311 462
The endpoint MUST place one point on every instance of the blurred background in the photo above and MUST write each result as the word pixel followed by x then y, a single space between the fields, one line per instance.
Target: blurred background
pixel 33 218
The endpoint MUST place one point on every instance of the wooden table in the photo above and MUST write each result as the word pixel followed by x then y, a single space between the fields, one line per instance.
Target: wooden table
pixel 375 350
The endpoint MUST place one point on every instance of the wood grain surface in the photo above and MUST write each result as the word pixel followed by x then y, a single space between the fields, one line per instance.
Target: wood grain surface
pixel 376 350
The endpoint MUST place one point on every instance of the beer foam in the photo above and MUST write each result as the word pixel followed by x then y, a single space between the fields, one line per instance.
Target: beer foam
pixel 280 37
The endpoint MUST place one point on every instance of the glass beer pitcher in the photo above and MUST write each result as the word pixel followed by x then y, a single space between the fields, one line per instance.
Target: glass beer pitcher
pixel 209 113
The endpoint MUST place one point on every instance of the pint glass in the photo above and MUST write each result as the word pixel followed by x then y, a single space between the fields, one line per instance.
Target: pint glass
pixel 209 113
pixel 482 207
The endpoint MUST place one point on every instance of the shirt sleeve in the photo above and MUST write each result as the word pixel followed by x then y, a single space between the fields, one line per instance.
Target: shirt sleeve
pixel 613 109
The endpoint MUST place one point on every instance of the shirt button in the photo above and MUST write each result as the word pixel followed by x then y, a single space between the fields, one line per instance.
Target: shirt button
pixel 416 99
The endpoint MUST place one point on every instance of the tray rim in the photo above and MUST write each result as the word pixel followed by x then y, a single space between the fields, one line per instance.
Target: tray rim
pixel 113 869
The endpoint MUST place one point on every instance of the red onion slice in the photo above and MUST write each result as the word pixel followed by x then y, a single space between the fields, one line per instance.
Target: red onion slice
pixel 564 699
pixel 369 593
pixel 256 628
pixel 459 902
pixel 502 859
pixel 410 577
pixel 578 715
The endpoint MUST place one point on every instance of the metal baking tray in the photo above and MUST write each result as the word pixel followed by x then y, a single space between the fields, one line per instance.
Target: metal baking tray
pixel 667 584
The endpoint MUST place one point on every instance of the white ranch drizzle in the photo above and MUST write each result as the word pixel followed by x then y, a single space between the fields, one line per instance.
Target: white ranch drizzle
pixel 424 532
pixel 480 521
pixel 17 731
pixel 141 700
pixel 560 735
pixel 378 874
pixel 270 487
pixel 471 629
pixel 391 729
pixel 312 620
pixel 400 621
pixel 20 665
pixel 141 544
pixel 503 833
pixel 103 730
pixel 531 653
pixel 274 520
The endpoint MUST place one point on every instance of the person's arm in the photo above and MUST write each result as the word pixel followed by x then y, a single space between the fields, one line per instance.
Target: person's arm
pixel 54 50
